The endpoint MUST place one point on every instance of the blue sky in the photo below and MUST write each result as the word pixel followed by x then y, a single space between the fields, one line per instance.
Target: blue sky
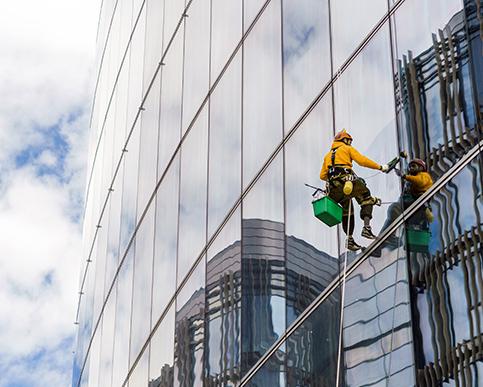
pixel 46 86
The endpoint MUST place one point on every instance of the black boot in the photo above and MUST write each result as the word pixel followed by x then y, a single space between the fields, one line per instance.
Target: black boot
pixel 367 232
pixel 352 245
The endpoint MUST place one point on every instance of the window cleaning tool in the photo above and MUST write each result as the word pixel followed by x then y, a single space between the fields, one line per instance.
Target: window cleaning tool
pixel 325 209
pixel 392 164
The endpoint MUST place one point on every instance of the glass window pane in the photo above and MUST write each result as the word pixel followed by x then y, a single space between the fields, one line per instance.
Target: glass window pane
pixel 154 38
pixel 226 32
pixel 262 92
pixel 129 190
pixel 161 360
pixel 351 22
pixel 263 266
pixel 139 376
pixel 250 11
pixel 223 305
pixel 164 282
pixel 306 54
pixel 225 146
pixel 170 109
pixel 123 321
pixel 371 122
pixel 107 345
pixel 173 10
pixel 377 320
pixel 148 142
pixel 143 266
pixel 197 59
pixel 312 248
pixel 190 331
pixel 192 204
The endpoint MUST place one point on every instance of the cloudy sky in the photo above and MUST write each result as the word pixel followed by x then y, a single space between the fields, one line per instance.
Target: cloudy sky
pixel 47 51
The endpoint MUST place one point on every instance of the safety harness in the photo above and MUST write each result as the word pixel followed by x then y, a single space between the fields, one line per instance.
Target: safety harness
pixel 338 171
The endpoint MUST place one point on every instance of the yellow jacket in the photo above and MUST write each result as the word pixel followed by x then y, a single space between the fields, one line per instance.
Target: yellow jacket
pixel 344 156
pixel 420 183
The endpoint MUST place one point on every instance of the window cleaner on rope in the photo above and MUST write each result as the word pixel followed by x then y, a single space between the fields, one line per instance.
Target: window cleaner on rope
pixel 344 185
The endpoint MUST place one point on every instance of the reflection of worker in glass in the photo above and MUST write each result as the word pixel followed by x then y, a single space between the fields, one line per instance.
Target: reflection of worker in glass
pixel 344 185
pixel 418 181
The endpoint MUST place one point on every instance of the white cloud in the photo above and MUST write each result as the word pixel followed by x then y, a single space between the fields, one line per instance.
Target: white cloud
pixel 46 89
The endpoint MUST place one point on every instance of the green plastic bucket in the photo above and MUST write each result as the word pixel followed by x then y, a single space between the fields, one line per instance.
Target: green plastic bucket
pixel 418 240
pixel 327 210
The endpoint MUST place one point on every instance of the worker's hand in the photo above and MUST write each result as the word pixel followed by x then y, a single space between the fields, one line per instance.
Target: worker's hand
pixel 384 167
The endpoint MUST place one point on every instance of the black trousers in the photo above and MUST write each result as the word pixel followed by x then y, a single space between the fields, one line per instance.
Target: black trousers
pixel 360 193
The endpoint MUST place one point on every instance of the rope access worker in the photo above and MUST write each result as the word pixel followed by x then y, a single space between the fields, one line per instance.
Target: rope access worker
pixel 344 184
pixel 418 181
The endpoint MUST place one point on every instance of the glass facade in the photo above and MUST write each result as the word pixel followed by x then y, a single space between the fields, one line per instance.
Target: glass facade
pixel 203 263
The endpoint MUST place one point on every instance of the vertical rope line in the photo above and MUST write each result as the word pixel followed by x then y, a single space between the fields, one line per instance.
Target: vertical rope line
pixel 341 322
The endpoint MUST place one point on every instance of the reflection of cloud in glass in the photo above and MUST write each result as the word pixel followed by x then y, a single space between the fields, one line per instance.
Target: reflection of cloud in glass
pixel 306 56
pixel 225 145
pixel 351 22
pixel 192 206
pixel 262 92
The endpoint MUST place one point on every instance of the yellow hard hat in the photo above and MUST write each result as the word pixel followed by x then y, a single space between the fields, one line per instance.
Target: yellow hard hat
pixel 342 135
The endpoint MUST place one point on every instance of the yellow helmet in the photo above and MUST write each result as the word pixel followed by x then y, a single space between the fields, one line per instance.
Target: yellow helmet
pixel 342 135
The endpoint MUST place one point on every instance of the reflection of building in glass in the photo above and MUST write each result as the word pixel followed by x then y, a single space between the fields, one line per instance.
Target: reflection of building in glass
pixel 204 264
pixel 442 119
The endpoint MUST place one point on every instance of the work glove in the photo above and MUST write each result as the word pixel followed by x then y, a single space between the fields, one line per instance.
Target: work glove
pixel 384 168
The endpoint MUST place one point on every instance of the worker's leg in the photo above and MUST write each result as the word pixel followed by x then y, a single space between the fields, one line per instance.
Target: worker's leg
pixel 393 212
pixel 363 196
pixel 337 194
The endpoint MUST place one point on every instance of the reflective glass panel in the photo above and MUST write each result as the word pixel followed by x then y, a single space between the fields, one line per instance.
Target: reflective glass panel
pixel 377 341
pixel 170 109
pixel 225 146
pixel 190 330
pixel 351 22
pixel 223 305
pixel 197 59
pixel 192 205
pixel 312 249
pixel 142 284
pixel 139 376
pixel 263 265
pixel 107 345
pixel 262 92
pixel 148 142
pixel 226 32
pixel 154 38
pixel 161 359
pixel 123 321
pixel 164 282
pixel 250 10
pixel 306 54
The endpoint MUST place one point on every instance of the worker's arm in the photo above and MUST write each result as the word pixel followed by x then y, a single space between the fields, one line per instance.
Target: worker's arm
pixel 363 160
pixel 422 181
pixel 324 172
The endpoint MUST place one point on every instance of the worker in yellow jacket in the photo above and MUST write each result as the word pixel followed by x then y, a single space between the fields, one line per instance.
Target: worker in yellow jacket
pixel 344 184
pixel 418 181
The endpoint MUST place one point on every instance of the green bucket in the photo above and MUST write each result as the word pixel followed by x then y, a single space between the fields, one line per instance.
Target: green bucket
pixel 418 240
pixel 327 210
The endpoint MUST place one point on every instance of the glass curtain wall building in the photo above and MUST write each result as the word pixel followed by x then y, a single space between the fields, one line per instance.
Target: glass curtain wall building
pixel 203 263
